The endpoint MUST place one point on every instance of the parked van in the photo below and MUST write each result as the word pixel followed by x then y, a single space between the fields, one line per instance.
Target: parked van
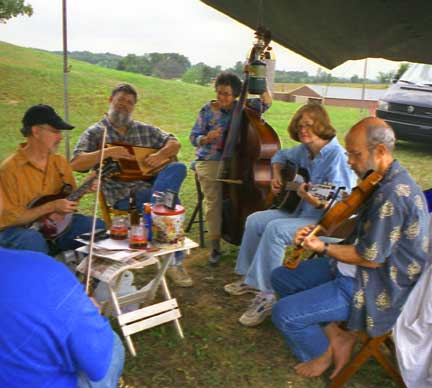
pixel 407 105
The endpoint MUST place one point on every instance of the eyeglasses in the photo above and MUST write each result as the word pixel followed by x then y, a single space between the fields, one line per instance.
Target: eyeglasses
pixel 306 125
pixel 223 94
pixel 356 154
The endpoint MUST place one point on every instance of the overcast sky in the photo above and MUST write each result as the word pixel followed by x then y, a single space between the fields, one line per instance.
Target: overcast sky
pixel 188 27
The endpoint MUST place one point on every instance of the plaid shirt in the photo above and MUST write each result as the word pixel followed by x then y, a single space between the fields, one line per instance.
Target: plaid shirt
pixel 211 117
pixel 137 134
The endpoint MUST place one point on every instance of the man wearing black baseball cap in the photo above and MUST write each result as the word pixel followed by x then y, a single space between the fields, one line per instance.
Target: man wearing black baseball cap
pixel 42 114
pixel 35 171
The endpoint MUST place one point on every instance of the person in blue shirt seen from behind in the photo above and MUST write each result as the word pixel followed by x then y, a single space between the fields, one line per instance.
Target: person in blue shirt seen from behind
pixel 51 332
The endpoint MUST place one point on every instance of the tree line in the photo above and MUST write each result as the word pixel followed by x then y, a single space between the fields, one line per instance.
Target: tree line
pixel 177 66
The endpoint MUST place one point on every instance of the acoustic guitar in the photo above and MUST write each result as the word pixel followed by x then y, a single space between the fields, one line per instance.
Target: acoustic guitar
pixel 292 177
pixel 55 224
pixel 135 170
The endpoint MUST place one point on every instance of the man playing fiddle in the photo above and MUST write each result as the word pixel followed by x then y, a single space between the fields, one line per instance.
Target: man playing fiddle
pixel 365 281
pixel 33 171
pixel 121 128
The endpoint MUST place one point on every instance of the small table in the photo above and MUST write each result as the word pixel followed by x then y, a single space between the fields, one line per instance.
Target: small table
pixel 152 314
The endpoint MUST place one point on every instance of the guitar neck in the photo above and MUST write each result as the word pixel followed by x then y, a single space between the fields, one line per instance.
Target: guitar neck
pixel 80 191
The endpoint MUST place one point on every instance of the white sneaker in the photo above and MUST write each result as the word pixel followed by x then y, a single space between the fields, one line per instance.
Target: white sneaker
pixel 259 310
pixel 239 288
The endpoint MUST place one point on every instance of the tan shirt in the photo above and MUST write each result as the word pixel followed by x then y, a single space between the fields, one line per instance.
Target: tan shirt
pixel 22 181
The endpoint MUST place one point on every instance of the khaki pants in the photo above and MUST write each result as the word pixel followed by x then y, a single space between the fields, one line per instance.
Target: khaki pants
pixel 212 190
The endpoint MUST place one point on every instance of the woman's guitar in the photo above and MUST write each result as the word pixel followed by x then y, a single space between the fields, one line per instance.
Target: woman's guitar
pixel 54 225
pixel 292 177
pixel 135 170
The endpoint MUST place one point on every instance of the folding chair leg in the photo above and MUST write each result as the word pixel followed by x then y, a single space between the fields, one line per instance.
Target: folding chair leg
pixel 201 218
pixel 168 296
pixel 352 367
pixel 370 348
pixel 192 219
pixel 389 368
pixel 118 311
pixel 198 211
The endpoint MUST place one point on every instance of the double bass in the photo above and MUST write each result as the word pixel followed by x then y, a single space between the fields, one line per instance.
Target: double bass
pixel 245 168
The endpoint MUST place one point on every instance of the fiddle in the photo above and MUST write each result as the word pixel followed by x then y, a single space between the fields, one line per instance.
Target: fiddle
pixel 338 214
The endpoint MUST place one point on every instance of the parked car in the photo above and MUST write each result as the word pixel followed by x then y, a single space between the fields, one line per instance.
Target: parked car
pixel 407 104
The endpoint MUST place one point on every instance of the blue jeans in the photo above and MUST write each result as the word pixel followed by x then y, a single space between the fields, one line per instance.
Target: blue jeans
pixel 311 296
pixel 262 249
pixel 20 238
pixel 170 178
pixel 115 369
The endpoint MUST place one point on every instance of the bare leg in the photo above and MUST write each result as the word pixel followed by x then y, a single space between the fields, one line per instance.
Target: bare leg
pixel 341 343
pixel 317 366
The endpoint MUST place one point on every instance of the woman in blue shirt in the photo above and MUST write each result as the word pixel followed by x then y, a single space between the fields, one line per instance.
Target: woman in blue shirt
pixel 268 232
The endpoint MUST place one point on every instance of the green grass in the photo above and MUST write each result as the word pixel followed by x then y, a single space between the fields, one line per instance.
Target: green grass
pixel 216 351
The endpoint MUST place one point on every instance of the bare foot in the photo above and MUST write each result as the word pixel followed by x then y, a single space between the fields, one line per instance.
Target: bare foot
pixel 315 367
pixel 342 346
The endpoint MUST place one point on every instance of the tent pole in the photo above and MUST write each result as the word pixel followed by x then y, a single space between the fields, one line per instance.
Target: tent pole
pixel 65 80
pixel 362 110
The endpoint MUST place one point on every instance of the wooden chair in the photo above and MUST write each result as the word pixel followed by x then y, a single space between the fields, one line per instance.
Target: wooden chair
pixel 381 348
pixel 108 212
pixel 198 211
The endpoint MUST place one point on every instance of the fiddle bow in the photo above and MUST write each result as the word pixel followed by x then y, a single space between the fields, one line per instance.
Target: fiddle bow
pixel 339 213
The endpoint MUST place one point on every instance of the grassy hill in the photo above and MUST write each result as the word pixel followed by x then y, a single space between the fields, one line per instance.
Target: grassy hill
pixel 217 351
pixel 29 76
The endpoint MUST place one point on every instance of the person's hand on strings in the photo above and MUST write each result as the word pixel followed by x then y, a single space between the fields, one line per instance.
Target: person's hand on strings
pixel 301 233
pixel 119 152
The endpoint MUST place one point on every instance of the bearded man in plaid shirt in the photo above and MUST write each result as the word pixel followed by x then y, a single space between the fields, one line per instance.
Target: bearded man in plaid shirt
pixel 121 128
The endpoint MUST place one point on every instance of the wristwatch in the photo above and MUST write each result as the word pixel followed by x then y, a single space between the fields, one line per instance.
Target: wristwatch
pixel 325 250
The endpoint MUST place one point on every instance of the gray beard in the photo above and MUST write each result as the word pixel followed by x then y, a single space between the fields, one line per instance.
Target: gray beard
pixel 118 119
